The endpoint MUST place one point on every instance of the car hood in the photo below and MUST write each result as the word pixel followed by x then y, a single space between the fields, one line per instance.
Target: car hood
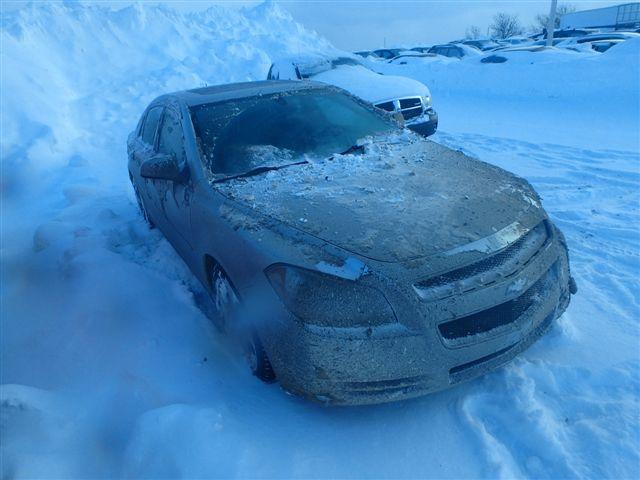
pixel 397 202
pixel 371 86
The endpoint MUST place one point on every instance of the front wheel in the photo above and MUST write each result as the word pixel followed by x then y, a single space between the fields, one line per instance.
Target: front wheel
pixel 226 302
pixel 259 361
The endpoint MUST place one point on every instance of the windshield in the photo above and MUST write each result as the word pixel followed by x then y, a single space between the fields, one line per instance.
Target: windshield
pixel 242 135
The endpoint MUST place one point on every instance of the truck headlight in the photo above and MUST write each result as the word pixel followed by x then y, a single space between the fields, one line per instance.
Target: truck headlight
pixel 320 299
pixel 427 101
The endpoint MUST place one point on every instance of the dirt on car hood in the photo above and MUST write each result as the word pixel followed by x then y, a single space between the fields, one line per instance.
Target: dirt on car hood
pixel 403 199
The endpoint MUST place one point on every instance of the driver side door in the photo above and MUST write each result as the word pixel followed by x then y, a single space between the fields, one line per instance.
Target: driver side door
pixel 174 196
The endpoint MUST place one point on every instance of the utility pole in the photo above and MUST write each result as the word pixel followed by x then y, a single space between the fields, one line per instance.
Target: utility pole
pixel 551 24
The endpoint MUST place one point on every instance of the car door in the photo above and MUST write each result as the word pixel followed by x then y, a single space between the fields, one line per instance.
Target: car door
pixel 143 149
pixel 175 196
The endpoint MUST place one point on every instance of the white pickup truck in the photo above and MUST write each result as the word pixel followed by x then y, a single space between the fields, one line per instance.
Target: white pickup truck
pixel 389 92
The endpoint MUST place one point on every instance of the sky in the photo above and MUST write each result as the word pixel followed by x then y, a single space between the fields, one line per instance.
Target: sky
pixel 368 24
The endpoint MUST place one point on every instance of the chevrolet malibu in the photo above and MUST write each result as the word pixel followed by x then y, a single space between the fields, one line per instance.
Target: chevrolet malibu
pixel 359 262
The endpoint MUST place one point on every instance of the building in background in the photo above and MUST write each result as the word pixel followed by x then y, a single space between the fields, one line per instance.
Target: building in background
pixel 616 17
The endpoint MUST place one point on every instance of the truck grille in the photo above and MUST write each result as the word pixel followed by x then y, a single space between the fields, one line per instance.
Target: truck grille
pixel 409 107
pixel 485 272
pixel 387 106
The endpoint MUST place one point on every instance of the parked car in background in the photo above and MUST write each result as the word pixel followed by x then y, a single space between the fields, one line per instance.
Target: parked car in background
pixel 537 46
pixel 453 50
pixel 514 41
pixel 363 54
pixel 386 53
pixel 481 44
pixel 566 33
pixel 599 42
pixel 406 57
pixel 393 269
pixel 406 96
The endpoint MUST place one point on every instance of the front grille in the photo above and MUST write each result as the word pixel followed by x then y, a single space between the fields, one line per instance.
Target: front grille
pixel 388 106
pixel 485 272
pixel 409 107
pixel 500 315
pixel 410 103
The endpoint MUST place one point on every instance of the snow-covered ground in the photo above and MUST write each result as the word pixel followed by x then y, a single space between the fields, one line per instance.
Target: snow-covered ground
pixel 108 366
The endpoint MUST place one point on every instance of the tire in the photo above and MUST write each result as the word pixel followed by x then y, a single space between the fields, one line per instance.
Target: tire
pixel 259 361
pixel 225 301
pixel 143 211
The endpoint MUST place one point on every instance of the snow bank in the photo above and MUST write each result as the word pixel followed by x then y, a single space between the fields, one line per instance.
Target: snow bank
pixel 109 367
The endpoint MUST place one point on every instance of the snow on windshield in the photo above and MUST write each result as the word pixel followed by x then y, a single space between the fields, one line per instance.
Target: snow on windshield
pixel 370 169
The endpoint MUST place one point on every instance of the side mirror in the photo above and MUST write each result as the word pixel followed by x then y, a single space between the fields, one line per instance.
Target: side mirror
pixel 163 167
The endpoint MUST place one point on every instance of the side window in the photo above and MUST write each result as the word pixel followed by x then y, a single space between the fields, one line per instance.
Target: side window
pixel 151 124
pixel 171 140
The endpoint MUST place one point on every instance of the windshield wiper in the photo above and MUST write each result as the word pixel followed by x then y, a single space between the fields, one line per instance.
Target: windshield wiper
pixel 258 171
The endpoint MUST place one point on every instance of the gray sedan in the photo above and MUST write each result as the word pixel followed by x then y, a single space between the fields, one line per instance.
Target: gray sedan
pixel 359 262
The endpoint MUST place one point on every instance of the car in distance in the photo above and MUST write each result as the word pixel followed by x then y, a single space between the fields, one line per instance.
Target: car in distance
pixel 362 263
pixel 599 42
pixel 406 96
pixel 455 50
pixel 363 53
pixel 387 53
pixel 481 44
pixel 410 57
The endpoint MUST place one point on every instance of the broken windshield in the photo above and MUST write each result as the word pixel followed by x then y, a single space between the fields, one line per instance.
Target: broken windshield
pixel 241 135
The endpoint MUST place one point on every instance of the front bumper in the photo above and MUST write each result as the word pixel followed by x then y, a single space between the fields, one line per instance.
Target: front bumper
pixel 362 366
pixel 426 124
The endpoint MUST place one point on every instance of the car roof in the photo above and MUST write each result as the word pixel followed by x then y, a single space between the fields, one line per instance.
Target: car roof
pixel 232 91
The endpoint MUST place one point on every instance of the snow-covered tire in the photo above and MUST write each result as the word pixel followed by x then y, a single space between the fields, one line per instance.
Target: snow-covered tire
pixel 259 361
pixel 225 301
pixel 141 207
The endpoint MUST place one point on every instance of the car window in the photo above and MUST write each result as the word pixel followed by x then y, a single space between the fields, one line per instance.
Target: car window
pixel 171 140
pixel 455 52
pixel 151 125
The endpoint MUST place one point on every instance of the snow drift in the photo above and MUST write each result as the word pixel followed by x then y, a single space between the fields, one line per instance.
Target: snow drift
pixel 109 367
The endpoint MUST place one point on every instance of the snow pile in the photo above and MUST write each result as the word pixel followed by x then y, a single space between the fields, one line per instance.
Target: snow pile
pixel 110 368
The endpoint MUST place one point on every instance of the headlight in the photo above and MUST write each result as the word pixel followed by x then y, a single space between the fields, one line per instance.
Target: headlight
pixel 320 299
pixel 427 101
